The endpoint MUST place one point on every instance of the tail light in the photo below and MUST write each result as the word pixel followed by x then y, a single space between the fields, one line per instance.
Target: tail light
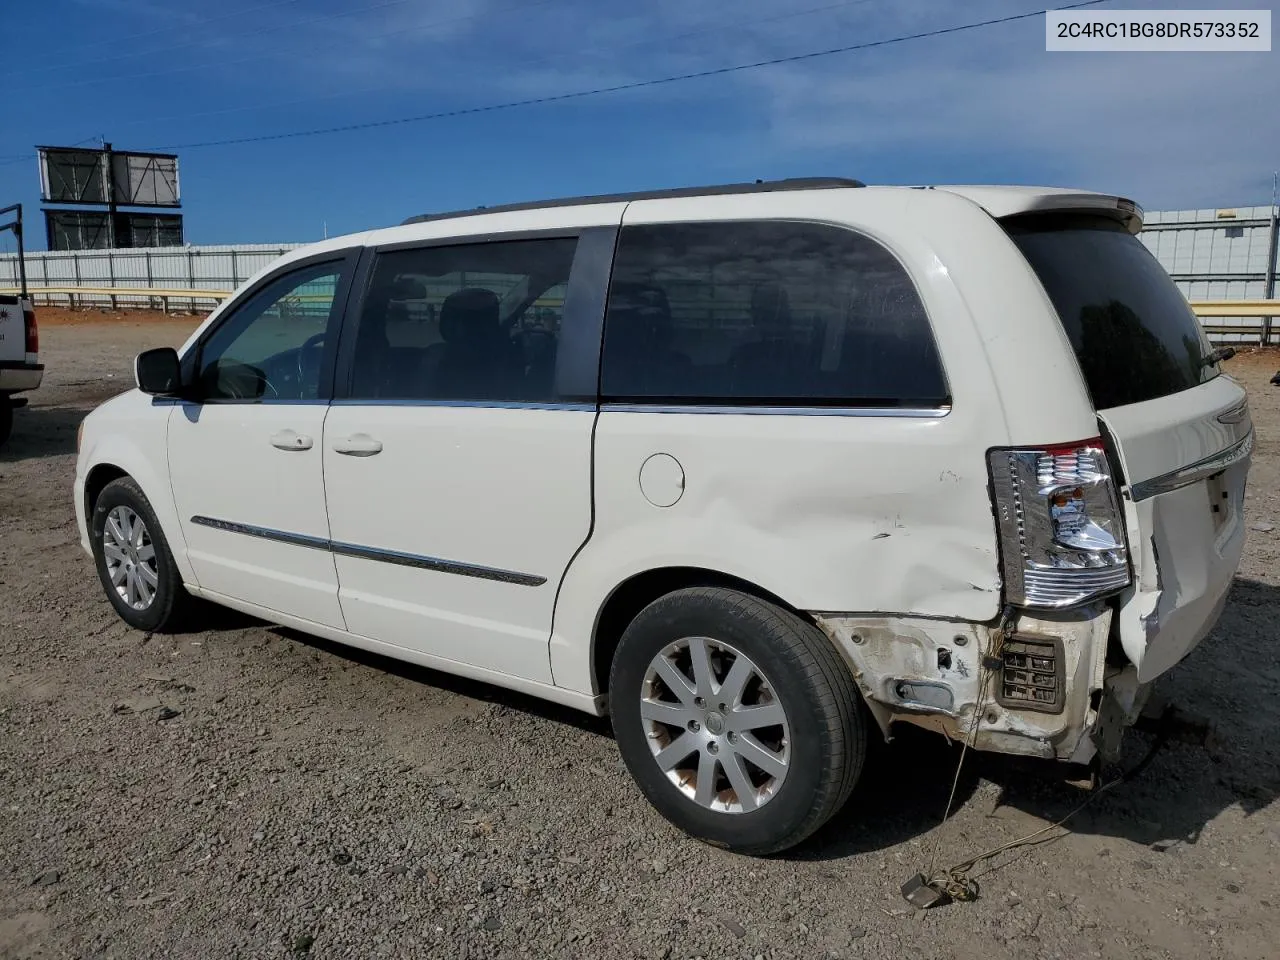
pixel 32 329
pixel 1061 528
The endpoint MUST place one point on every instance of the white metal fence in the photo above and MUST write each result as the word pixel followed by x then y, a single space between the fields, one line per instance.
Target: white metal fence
pixel 196 268
pixel 1220 254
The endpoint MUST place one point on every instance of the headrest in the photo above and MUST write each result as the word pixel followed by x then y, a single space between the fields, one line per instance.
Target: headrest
pixel 640 297
pixel 470 315
pixel 406 288
pixel 770 306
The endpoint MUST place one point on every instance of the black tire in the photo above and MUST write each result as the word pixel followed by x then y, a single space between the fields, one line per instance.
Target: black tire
pixel 826 719
pixel 171 606
pixel 6 420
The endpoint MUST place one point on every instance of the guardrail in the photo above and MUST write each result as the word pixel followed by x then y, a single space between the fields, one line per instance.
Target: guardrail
pixel 1264 310
pixel 80 296
pixel 1236 308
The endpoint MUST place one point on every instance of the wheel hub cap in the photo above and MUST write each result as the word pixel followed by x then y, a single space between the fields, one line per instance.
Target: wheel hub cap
pixel 715 726
pixel 130 558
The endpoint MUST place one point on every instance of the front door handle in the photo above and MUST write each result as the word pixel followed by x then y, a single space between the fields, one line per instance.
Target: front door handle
pixel 358 445
pixel 291 440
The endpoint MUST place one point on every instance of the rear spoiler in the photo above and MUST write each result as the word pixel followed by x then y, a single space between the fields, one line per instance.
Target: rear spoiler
pixel 1003 202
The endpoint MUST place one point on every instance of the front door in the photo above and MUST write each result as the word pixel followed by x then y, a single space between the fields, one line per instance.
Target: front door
pixel 458 474
pixel 245 455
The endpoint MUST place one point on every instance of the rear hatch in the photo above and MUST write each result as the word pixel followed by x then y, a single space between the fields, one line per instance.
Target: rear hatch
pixel 1179 428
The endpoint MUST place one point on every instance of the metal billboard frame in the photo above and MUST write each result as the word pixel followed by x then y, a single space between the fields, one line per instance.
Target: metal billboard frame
pixel 107 160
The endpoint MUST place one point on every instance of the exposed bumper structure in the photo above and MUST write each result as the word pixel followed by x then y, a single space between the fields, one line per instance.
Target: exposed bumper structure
pixel 1040 688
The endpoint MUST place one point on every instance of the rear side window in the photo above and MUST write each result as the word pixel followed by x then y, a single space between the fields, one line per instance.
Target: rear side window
pixel 1133 333
pixel 769 312
pixel 478 322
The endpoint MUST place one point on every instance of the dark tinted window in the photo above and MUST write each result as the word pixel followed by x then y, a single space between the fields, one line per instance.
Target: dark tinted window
pixel 478 321
pixel 765 312
pixel 272 346
pixel 1132 330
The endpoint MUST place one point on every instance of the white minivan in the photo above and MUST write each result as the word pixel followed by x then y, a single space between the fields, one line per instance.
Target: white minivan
pixel 758 470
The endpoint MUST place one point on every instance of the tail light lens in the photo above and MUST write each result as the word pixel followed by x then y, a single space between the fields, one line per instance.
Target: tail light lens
pixel 32 329
pixel 1061 527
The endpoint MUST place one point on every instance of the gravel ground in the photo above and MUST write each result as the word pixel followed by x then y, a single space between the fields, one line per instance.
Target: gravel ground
pixel 246 791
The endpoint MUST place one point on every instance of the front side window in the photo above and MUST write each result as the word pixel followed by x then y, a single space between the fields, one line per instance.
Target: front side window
pixel 272 347
pixel 478 321
pixel 765 312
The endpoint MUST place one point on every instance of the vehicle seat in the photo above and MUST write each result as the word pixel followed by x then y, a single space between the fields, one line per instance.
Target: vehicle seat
pixel 370 376
pixel 641 328
pixel 777 363
pixel 478 359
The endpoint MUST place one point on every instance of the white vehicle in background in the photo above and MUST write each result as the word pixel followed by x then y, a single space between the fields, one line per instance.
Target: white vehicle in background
pixel 20 367
pixel 759 470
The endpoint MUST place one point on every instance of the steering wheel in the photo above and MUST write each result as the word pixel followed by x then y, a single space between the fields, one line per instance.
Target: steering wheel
pixel 231 385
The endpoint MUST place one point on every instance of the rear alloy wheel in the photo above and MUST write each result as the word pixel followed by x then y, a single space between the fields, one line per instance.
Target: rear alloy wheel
pixel 738 720
pixel 715 725
pixel 134 562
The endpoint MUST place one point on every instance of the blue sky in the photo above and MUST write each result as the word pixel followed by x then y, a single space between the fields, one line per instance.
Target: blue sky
pixel 990 105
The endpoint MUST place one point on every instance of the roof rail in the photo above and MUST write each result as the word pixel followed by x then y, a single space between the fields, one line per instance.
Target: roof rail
pixel 759 186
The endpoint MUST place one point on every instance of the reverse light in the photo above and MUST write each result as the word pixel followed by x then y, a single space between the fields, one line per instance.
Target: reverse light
pixel 1061 527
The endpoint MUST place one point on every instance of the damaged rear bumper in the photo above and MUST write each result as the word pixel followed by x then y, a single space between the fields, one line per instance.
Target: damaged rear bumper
pixel 1039 687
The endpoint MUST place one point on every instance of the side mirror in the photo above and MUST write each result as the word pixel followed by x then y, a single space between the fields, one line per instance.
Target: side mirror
pixel 158 372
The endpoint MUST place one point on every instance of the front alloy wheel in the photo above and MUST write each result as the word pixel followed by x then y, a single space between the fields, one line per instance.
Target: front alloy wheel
pixel 130 558
pixel 134 561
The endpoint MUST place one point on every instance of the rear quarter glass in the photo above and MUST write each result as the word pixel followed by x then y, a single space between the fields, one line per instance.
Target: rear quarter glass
pixel 1133 333
pixel 764 312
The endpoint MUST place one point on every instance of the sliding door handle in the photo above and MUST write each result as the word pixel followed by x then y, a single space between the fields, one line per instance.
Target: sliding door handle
pixel 358 445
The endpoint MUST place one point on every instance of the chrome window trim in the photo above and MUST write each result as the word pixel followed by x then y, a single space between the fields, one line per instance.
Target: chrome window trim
pixel 438 564
pixel 1194 472
pixel 233 401
pixel 914 413
pixel 497 404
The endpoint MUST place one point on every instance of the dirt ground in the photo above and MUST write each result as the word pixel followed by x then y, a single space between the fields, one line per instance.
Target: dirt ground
pixel 307 800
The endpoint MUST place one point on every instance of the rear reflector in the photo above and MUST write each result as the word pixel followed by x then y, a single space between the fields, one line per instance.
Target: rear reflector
pixel 1031 677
